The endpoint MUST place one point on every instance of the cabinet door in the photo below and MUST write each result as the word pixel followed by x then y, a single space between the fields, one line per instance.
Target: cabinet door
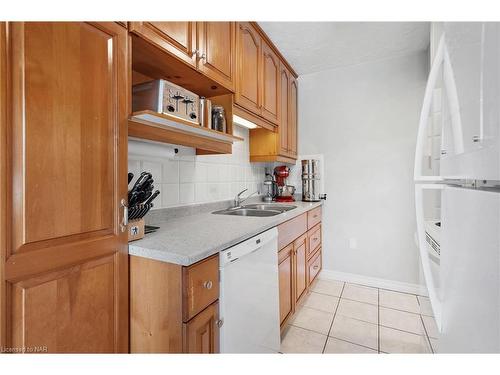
pixel 285 269
pixel 284 102
pixel 248 57
pixel 177 38
pixel 217 51
pixel 292 118
pixel 270 84
pixel 66 258
pixel 201 334
pixel 300 252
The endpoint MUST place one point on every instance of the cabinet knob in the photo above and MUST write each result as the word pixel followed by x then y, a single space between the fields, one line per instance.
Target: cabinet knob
pixel 207 284
pixel 315 267
pixel 198 54
pixel 219 323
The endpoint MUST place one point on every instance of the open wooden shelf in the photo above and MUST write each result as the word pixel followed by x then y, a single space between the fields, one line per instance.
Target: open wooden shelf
pixel 166 128
pixel 154 62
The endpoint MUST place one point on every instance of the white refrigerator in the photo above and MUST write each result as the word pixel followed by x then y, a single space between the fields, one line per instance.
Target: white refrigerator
pixel 465 293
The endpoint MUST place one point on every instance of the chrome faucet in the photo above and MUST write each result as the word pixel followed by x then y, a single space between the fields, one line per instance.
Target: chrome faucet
pixel 238 201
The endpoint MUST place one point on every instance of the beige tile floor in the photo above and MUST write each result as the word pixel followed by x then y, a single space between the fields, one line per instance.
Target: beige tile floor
pixel 338 317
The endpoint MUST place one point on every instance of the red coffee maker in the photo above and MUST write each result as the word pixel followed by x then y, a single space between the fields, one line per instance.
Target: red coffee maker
pixel 285 192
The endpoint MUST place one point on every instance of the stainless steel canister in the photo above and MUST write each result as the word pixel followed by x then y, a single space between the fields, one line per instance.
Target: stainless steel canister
pixel 311 181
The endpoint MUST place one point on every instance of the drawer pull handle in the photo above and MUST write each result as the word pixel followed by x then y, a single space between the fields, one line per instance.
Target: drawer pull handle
pixel 315 267
pixel 315 238
pixel 207 284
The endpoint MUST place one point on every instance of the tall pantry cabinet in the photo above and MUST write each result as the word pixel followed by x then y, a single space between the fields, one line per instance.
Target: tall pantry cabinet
pixel 63 125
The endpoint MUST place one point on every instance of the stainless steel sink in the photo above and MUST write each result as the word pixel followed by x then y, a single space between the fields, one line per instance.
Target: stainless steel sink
pixel 247 212
pixel 270 206
pixel 258 210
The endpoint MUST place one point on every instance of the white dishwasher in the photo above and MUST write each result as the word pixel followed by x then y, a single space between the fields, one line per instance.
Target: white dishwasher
pixel 249 296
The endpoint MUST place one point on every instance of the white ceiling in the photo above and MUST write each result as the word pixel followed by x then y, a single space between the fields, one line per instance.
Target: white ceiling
pixel 314 46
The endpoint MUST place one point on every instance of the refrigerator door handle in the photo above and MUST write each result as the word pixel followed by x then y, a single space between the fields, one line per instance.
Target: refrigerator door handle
pixel 442 58
pixel 422 244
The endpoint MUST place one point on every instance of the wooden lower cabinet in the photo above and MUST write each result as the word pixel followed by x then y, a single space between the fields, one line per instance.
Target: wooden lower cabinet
pixel 298 265
pixel 313 266
pixel 201 334
pixel 200 286
pixel 155 306
pixel 174 309
pixel 286 272
pixel 300 253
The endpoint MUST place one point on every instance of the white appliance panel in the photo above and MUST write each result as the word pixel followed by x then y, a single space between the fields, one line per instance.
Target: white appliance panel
pixel 249 296
pixel 470 271
pixel 473 49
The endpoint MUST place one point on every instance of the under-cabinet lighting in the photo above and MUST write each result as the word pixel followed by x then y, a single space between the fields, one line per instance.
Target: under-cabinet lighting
pixel 242 122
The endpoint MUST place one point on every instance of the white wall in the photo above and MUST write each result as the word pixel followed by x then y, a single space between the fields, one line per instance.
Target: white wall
pixel 187 178
pixel 364 120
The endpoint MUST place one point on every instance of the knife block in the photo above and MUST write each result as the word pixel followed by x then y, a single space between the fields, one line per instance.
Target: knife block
pixel 135 230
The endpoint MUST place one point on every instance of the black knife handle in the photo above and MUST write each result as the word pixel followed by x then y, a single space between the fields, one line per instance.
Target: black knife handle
pixel 141 181
pixel 151 198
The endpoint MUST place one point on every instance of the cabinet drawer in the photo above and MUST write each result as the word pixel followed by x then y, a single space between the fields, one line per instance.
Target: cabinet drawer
pixel 200 286
pixel 313 217
pixel 313 267
pixel 285 253
pixel 291 229
pixel 314 239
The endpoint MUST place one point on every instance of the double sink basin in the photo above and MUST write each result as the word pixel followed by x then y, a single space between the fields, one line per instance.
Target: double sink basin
pixel 258 210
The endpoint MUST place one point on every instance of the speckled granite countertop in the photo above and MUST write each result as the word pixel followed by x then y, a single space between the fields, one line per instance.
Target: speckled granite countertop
pixel 189 239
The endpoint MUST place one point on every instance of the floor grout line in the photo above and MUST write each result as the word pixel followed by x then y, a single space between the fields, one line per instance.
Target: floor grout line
pixel 359 320
pixel 355 300
pixel 324 294
pixel 334 315
pixel 406 311
pixel 351 342
pixel 308 329
pixel 397 291
pixel 402 330
pixel 427 335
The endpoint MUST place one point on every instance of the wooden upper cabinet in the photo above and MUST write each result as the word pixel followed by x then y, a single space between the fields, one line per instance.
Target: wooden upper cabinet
pixel 270 84
pixel 293 118
pixel 177 38
pixel 280 145
pixel 66 262
pixel 217 51
pixel 248 57
pixel 284 105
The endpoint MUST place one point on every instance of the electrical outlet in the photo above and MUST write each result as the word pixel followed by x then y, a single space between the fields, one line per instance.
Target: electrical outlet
pixel 353 243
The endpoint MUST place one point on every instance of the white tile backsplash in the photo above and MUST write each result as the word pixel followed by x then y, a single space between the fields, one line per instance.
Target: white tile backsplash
pixel 170 171
pixel 186 193
pixel 170 195
pixel 186 171
pixel 188 178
